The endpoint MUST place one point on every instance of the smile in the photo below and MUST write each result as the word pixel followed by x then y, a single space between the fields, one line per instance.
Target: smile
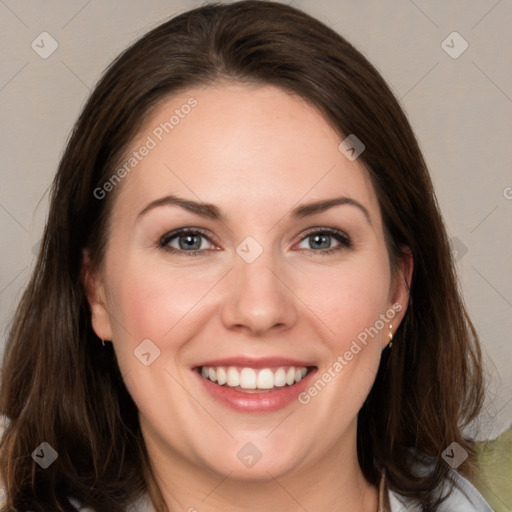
pixel 254 380
pixel 254 385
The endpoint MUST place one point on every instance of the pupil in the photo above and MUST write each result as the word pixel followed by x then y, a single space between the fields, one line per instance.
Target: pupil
pixel 189 243
pixel 320 237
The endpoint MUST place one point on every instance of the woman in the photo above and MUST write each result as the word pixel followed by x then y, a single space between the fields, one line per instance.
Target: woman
pixel 263 370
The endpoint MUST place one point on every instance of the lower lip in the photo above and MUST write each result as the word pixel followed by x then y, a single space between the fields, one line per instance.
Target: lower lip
pixel 269 401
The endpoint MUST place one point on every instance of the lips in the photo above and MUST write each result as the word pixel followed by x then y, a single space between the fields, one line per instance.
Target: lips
pixel 255 385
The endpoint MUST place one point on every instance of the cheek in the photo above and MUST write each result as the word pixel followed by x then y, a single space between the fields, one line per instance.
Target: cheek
pixel 348 299
pixel 151 300
pixel 352 303
pixel 156 304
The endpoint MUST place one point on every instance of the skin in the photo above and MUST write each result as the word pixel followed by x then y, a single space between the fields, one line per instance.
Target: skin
pixel 256 152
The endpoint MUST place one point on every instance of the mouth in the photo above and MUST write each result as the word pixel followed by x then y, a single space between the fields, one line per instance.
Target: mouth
pixel 255 386
pixel 254 380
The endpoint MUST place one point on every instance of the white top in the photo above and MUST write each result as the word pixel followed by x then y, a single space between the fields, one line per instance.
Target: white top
pixel 463 498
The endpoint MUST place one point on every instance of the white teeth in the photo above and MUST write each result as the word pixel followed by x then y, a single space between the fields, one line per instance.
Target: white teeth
pixel 300 374
pixel 265 379
pixel 249 378
pixel 280 378
pixel 222 376
pixel 233 377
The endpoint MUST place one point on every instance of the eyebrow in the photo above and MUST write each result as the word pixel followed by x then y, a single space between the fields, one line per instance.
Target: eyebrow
pixel 211 211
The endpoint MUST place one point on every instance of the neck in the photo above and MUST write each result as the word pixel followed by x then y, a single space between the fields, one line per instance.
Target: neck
pixel 333 482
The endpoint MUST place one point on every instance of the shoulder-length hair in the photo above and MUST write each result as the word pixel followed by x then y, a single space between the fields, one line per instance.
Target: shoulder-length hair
pixel 61 387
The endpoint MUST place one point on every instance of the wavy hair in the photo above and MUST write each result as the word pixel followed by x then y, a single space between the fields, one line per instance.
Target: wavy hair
pixel 60 386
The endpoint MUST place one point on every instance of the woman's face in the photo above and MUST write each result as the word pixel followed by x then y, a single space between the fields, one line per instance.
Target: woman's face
pixel 272 287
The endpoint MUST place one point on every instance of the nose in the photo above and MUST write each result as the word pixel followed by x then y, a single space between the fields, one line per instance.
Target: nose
pixel 259 297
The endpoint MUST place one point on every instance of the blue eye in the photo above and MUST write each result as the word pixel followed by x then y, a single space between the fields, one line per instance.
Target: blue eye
pixel 187 239
pixel 190 241
pixel 320 238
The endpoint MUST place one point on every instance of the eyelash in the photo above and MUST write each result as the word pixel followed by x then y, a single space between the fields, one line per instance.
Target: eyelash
pixel 340 236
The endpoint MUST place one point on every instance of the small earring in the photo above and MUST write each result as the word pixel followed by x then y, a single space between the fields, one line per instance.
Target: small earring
pixel 390 336
pixel 103 342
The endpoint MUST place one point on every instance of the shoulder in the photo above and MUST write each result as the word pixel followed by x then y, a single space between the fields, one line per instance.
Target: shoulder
pixel 463 498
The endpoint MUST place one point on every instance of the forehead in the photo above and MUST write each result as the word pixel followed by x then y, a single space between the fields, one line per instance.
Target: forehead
pixel 246 145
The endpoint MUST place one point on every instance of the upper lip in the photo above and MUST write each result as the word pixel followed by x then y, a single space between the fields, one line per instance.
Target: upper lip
pixel 252 362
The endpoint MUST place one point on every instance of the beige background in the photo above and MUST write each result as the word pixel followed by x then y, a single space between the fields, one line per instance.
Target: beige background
pixel 460 109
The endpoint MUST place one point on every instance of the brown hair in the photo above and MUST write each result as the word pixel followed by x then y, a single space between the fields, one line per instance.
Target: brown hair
pixel 60 386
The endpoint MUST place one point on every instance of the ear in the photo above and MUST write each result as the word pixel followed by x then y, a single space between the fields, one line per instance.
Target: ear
pixel 95 292
pixel 399 296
